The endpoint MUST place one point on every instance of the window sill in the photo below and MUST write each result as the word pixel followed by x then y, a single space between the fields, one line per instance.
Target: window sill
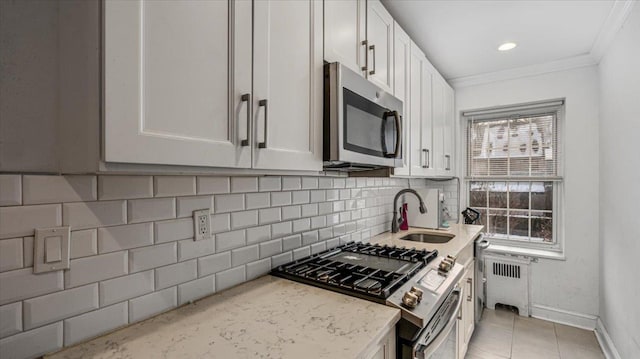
pixel 531 252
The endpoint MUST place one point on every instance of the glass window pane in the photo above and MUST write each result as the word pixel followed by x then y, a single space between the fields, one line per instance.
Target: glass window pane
pixel 478 194
pixel 542 227
pixel 519 195
pixel 542 195
pixel 498 194
pixel 519 225
pixel 497 222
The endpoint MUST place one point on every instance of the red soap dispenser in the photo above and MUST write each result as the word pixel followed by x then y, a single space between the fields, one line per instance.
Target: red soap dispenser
pixel 404 225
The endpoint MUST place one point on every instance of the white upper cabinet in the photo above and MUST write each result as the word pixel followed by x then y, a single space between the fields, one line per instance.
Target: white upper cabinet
pixel 344 33
pixel 168 94
pixel 379 45
pixel 287 85
pixel 449 130
pixel 443 126
pixel 421 144
pixel 402 89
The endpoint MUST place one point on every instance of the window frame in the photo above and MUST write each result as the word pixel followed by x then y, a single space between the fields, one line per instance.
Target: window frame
pixel 533 109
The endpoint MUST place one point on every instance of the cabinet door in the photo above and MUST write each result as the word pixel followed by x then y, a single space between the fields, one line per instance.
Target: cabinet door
pixel 469 300
pixel 380 45
pixel 402 86
pixel 420 152
pixel 287 85
pixel 168 94
pixel 437 101
pixel 344 32
pixel 449 131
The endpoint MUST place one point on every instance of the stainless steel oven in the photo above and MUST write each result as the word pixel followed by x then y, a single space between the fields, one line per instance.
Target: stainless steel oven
pixel 439 339
pixel 362 123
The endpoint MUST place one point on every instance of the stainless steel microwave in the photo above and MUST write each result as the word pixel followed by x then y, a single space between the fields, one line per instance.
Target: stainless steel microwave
pixel 362 123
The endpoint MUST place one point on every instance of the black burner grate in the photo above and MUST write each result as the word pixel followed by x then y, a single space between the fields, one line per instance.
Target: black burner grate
pixel 364 270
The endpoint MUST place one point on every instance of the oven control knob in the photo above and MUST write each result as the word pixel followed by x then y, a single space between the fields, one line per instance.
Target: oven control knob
pixel 410 300
pixel 417 292
pixel 445 266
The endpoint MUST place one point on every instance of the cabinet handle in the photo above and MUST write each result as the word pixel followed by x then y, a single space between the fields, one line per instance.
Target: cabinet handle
pixel 448 157
pixel 247 98
pixel 366 56
pixel 423 160
pixel 470 296
pixel 373 48
pixel 260 104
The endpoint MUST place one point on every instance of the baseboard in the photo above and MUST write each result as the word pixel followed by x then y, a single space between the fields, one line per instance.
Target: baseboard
pixel 556 315
pixel 609 350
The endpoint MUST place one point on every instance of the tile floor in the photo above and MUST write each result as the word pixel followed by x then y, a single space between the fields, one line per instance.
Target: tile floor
pixel 502 334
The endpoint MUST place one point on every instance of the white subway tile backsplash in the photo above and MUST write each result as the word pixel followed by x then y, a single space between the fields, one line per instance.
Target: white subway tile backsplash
pixel 291 183
pixel 298 197
pixel 258 234
pixel 257 200
pixel 244 255
pixel 339 182
pixel 269 184
pixel 318 222
pixel 229 203
pixel 124 187
pixel 309 237
pixel 10 190
pixel 151 304
pixel 11 256
pixel 270 248
pixel 113 239
pixel 28 251
pixel 325 208
pixel 152 209
pixel 22 284
pixel 309 182
pixel 325 182
pixel 21 221
pixel 350 182
pixel 309 210
pixel 230 240
pixel 325 233
pixel 188 248
pixel 95 268
pixel 213 185
pixel 214 263
pixel 93 324
pixel 291 212
pixel 84 243
pixel 127 287
pixel 270 215
pixel 301 253
pixel 244 219
pixel 318 247
pixel 300 225
pixel 244 184
pixel 220 223
pixel 331 243
pixel 186 205
pixel 258 268
pixel 173 230
pixel 281 229
pixel 56 189
pixel 281 259
pixel 280 198
pixel 318 196
pixel 190 291
pixel 57 306
pixel 230 278
pixel 332 194
pixel 10 319
pixel 291 242
pixel 82 215
pixel 151 257
pixel 167 186
pixel 33 343
pixel 176 274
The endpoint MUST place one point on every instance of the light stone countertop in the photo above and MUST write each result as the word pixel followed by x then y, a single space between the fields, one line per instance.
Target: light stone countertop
pixel 265 318
pixel 464 235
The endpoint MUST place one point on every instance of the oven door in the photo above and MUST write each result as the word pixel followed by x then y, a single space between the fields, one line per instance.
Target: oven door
pixel 444 344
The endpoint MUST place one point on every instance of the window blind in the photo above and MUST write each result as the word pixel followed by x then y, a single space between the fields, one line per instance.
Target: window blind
pixel 520 141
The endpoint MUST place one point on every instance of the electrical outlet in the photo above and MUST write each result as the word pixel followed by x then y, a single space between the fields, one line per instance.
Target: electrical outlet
pixel 201 224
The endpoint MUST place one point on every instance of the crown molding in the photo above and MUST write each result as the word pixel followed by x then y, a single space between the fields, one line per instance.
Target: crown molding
pixel 525 71
pixel 613 23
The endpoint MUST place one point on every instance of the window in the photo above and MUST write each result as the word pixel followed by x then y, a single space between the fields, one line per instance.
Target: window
pixel 513 171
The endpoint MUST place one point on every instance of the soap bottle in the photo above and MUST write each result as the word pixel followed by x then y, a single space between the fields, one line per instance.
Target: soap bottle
pixel 404 224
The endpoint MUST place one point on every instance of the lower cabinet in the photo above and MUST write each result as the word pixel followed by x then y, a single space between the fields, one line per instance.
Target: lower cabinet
pixel 385 348
pixel 466 318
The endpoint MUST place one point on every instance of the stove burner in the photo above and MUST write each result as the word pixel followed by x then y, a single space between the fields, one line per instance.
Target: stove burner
pixel 364 270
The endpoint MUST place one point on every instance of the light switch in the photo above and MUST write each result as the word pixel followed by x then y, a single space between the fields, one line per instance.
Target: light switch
pixel 51 249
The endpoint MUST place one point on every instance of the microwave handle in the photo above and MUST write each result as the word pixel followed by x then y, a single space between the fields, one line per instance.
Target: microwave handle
pixel 396 150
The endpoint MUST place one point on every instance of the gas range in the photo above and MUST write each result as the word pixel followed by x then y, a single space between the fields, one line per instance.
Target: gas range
pixel 415 281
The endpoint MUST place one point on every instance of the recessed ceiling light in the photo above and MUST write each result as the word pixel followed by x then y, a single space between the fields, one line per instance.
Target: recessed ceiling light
pixel 507 46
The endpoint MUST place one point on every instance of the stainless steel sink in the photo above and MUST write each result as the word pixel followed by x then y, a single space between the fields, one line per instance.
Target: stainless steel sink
pixel 428 237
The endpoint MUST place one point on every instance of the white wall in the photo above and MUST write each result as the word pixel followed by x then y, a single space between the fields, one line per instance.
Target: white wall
pixel 619 188
pixel 569 285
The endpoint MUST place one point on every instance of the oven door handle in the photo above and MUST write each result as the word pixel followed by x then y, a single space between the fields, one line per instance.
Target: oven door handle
pixel 424 350
pixel 396 150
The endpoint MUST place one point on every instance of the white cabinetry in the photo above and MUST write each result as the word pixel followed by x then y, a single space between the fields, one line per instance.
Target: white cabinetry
pixel 385 348
pixel 420 113
pixel 402 88
pixel 466 319
pixel 443 126
pixel 344 33
pixel 380 45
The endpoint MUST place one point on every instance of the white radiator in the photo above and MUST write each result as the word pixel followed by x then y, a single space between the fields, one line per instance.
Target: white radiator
pixel 507 282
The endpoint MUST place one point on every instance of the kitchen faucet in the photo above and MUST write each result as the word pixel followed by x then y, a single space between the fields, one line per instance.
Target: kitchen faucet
pixel 394 222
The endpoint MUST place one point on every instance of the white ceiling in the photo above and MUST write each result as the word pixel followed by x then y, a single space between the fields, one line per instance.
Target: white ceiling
pixel 461 37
